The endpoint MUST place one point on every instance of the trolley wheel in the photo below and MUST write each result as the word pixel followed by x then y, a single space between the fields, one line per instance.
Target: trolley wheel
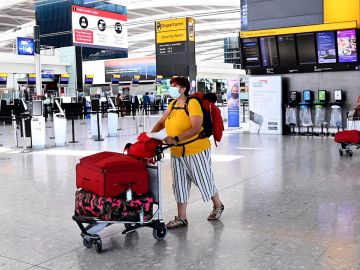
pixel 98 246
pixel 87 243
pixel 350 152
pixel 341 152
pixel 160 232
pixel 130 226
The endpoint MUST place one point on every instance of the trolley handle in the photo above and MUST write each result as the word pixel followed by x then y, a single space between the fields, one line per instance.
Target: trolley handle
pixel 160 150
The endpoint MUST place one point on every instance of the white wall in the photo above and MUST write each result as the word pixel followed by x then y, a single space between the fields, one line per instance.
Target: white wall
pixel 13 63
pixel 97 68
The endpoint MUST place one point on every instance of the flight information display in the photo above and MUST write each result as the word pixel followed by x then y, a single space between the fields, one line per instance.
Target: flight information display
pixel 250 47
pixel 306 48
pixel 347 49
pixel 269 52
pixel 287 50
pixel 326 47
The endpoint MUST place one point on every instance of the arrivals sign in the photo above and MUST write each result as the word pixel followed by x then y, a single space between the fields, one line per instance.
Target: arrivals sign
pixel 98 28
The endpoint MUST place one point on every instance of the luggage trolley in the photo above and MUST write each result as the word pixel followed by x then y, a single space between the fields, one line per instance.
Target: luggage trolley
pixel 90 232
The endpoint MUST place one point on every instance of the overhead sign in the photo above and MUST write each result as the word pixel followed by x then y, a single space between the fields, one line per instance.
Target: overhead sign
pixel 98 28
pixel 299 29
pixel 3 78
pixel 171 30
pixel 25 46
pixel 32 79
pixel 191 29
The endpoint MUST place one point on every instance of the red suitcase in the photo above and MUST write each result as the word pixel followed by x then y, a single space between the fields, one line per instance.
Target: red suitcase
pixel 348 136
pixel 108 174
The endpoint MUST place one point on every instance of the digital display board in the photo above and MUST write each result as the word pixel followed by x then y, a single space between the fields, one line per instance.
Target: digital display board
pixel 31 79
pixel 64 78
pixel 306 49
pixel 89 79
pixel 3 78
pixel 115 79
pixel 136 79
pixel 158 79
pixel 269 52
pixel 250 48
pixel 326 47
pixel 25 46
pixel 347 49
pixel 287 50
pixel 99 28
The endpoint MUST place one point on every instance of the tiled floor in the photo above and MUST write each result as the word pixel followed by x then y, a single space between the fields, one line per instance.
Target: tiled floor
pixel 290 203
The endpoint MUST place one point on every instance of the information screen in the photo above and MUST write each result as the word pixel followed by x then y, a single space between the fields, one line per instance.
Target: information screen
pixel 251 52
pixel 347 49
pixel 269 52
pixel 3 80
pixel 326 47
pixel 89 80
pixel 287 50
pixel 64 80
pixel 306 48
pixel 37 108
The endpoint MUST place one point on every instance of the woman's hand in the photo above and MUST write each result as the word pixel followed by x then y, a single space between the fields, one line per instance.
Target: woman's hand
pixel 170 140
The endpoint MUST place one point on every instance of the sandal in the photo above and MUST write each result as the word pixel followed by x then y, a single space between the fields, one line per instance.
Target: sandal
pixel 177 223
pixel 216 213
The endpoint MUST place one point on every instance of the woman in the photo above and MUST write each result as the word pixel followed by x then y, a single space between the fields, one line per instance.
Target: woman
pixel 190 162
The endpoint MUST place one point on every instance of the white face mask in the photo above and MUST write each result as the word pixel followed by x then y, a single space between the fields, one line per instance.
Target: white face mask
pixel 174 92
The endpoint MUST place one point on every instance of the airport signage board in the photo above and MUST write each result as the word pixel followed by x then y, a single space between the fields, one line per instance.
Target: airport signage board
pixel 175 47
pixel 98 28
pixel 25 46
pixel 265 104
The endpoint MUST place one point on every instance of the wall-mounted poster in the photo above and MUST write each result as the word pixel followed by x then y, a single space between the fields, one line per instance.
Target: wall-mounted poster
pixel 233 104
pixel 347 49
pixel 326 47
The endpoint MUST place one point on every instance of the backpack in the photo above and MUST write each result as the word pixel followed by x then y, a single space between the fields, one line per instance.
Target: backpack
pixel 212 120
pixel 144 148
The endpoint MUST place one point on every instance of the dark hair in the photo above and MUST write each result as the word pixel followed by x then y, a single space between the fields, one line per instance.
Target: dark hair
pixel 147 93
pixel 182 82
pixel 210 97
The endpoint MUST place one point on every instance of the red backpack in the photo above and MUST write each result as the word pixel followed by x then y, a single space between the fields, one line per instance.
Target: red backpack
pixel 217 124
pixel 144 148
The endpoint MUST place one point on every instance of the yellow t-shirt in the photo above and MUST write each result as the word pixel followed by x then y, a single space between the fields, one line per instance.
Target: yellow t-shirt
pixel 178 122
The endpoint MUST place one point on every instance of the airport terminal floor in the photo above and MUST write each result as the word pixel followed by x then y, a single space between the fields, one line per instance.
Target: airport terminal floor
pixel 290 203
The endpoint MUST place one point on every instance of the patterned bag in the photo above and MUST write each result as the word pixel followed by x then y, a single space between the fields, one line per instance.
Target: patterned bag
pixel 90 204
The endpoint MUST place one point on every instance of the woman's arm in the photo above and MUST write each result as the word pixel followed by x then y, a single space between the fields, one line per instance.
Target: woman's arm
pixel 161 123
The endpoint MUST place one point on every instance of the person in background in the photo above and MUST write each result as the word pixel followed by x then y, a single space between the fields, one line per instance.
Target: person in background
pixel 210 97
pixel 190 154
pixel 134 104
pixel 119 104
pixel 146 102
pixel 224 97
pixel 152 101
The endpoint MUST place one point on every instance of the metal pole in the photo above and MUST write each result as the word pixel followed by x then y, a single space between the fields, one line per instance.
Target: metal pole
pixel 37 60
pixel 160 190
pixel 13 119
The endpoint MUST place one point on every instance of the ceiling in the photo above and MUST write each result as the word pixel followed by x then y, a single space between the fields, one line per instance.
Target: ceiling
pixel 215 20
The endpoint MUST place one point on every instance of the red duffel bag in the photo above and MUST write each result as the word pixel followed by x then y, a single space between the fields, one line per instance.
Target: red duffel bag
pixel 348 136
pixel 108 174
